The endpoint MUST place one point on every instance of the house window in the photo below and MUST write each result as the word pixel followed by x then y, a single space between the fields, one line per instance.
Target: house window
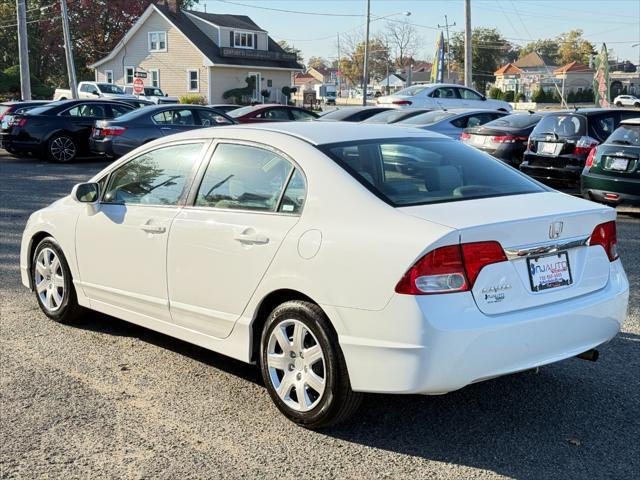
pixel 128 75
pixel 269 83
pixel 108 76
pixel 155 78
pixel 243 40
pixel 193 80
pixel 157 41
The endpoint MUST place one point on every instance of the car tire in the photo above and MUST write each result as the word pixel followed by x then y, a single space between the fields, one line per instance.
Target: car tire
pixel 53 284
pixel 637 104
pixel 618 104
pixel 62 148
pixel 305 330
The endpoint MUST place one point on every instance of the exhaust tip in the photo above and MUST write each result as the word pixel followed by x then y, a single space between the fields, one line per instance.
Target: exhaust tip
pixel 591 355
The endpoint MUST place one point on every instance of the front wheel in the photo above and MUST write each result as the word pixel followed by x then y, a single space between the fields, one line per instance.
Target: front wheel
pixel 62 149
pixel 637 104
pixel 303 367
pixel 52 282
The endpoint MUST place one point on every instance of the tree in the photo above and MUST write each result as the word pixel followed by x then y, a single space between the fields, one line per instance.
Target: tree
pixel 489 51
pixel 317 62
pixel 352 62
pixel 547 48
pixel 402 38
pixel 572 47
pixel 291 49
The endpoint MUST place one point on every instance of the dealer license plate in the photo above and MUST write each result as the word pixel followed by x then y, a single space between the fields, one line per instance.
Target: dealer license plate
pixel 549 271
pixel 546 147
pixel 619 164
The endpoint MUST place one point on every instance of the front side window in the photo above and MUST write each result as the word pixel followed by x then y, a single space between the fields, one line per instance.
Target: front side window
pixel 193 80
pixel 157 177
pixel 243 177
pixel 416 171
pixel 446 93
pixel 174 117
pixel 243 40
pixel 110 88
pixel 157 41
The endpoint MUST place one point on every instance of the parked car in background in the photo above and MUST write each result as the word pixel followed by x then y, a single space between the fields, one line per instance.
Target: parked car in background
pixel 612 171
pixel 451 122
pixel 271 112
pixel 395 115
pixel 92 90
pixel 151 94
pixel 60 130
pixel 626 101
pixel 119 136
pixel 9 109
pixel 442 95
pixel 351 114
pixel 505 138
pixel 561 142
pixel 289 246
pixel 224 107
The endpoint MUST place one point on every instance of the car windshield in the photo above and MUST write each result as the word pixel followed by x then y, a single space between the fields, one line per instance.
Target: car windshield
pixel 428 118
pixel 238 112
pixel 110 88
pixel 153 92
pixel 45 108
pixel 562 125
pixel 417 171
pixel 411 91
pixel 523 120
pixel 626 135
pixel 340 113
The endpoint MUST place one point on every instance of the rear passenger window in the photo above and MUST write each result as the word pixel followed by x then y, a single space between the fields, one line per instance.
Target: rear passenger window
pixel 119 110
pixel 243 177
pixel 293 198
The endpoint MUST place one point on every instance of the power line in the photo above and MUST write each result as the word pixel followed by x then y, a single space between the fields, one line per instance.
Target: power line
pixel 32 21
pixel 297 12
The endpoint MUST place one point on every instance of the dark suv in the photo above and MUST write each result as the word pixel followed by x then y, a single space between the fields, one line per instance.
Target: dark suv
pixel 559 145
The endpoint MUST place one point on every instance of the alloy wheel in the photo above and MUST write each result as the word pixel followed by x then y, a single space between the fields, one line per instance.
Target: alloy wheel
pixel 63 149
pixel 296 365
pixel 49 279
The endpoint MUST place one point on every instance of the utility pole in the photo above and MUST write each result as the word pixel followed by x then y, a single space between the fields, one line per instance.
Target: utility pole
pixel 339 72
pixel 365 73
pixel 468 58
pixel 23 48
pixel 68 50
pixel 446 27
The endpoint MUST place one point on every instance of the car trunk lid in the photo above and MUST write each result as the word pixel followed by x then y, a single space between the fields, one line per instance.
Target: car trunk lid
pixel 543 232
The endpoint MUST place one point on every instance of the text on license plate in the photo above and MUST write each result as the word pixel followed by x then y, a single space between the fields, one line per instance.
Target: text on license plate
pixel 545 147
pixel 619 164
pixel 549 271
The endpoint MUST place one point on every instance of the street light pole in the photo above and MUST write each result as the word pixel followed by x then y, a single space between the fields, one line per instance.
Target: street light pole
pixel 468 73
pixel 23 49
pixel 68 50
pixel 365 72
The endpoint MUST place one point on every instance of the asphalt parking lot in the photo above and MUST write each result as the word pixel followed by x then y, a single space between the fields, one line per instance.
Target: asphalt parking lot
pixel 107 399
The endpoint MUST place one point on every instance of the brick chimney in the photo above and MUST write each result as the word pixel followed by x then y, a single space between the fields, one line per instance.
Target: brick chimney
pixel 172 5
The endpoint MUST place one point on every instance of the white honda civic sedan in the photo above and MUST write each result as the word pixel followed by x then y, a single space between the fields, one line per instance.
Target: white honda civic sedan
pixel 341 258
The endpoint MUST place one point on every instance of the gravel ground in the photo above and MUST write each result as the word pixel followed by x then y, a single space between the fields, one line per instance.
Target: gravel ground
pixel 107 399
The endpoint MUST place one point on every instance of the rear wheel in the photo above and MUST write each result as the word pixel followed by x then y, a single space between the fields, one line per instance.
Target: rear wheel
pixel 303 367
pixel 62 148
pixel 618 104
pixel 53 284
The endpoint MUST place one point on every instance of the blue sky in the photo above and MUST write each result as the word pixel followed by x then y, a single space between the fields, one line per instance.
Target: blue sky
pixel 616 22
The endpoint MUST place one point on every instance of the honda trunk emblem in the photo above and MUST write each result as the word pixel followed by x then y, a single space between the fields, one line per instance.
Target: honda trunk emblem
pixel 555 229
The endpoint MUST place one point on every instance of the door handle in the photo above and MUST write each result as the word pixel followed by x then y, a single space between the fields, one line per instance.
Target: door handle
pixel 153 228
pixel 251 238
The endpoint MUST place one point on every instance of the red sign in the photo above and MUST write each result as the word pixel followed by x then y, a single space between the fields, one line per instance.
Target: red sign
pixel 138 86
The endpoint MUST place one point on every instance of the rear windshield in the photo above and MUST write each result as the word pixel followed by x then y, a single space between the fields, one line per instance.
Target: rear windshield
pixel 340 113
pixel 626 135
pixel 562 125
pixel 417 171
pixel 515 121
pixel 238 112
pixel 46 108
pixel 391 116
pixel 427 118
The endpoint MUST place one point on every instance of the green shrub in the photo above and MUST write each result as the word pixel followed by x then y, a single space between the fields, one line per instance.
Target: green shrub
pixel 508 96
pixel 520 97
pixel 193 99
pixel 241 96
pixel 495 93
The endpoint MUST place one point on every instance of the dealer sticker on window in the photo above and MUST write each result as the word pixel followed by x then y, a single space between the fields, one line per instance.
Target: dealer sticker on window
pixel 549 271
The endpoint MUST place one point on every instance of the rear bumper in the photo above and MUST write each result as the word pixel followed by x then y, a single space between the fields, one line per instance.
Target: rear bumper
pixel 594 187
pixel 101 147
pixel 554 176
pixel 436 344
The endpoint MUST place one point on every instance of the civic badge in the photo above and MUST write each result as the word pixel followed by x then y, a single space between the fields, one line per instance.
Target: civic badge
pixel 555 229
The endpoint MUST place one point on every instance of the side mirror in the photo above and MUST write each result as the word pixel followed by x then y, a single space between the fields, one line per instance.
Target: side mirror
pixel 483 97
pixel 97 94
pixel 166 94
pixel 87 193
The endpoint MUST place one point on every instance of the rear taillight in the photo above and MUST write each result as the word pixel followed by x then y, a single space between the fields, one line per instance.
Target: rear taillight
pixel 585 145
pixel 592 155
pixel 465 136
pixel 449 269
pixel 111 131
pixel 20 123
pixel 508 139
pixel 605 235
pixel 401 102
pixel 531 146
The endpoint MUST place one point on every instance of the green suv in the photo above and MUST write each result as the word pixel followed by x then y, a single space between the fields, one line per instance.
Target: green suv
pixel 612 171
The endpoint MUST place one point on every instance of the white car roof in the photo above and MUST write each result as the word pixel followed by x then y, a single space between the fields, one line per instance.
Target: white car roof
pixel 316 133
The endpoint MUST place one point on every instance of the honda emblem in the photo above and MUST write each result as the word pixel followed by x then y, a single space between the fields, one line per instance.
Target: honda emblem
pixel 555 229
